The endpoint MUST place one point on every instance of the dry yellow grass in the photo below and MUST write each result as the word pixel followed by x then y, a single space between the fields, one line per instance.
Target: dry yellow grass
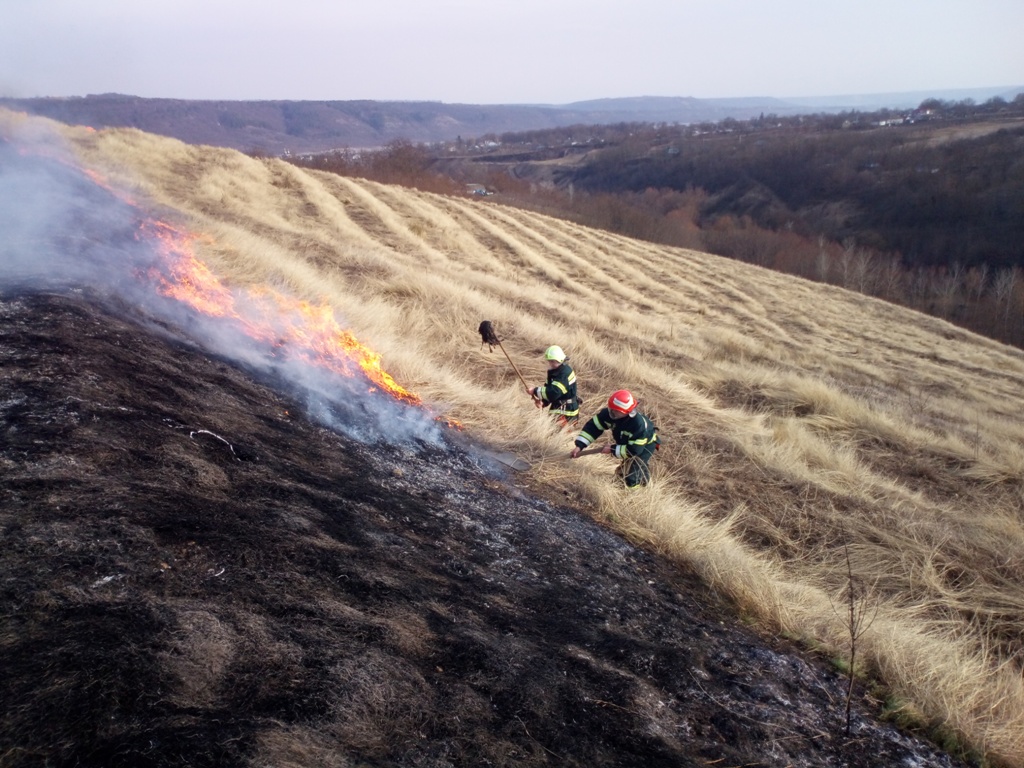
pixel 798 417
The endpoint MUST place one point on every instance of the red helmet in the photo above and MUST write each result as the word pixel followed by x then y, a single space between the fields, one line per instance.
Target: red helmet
pixel 622 401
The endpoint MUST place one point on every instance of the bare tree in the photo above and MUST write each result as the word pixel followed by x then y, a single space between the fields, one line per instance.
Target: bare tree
pixel 947 288
pixel 976 281
pixel 891 278
pixel 858 618
pixel 863 271
pixel 824 259
pixel 1003 286
pixel 919 288
pixel 846 261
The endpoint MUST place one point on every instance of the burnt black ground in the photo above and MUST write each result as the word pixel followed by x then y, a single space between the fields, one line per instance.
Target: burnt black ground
pixel 194 574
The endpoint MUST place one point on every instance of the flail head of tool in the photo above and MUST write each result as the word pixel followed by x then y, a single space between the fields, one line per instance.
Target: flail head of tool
pixel 487 335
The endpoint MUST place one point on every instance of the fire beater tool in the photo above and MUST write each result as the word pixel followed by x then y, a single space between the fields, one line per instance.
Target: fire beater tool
pixel 490 338
pixel 587 452
pixel 592 451
pixel 522 465
pixel 512 461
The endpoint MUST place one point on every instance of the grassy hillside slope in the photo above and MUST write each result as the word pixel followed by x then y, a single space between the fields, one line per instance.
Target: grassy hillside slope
pixel 803 424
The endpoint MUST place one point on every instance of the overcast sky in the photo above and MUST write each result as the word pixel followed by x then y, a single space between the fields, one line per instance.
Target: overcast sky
pixel 505 51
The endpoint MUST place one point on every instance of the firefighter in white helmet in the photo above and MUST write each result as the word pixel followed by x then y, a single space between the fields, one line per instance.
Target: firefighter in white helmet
pixel 636 437
pixel 558 393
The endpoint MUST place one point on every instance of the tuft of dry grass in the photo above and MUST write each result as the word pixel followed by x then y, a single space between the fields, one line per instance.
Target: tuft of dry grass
pixel 798 418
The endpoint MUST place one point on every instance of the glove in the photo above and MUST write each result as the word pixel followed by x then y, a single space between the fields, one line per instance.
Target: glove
pixel 536 400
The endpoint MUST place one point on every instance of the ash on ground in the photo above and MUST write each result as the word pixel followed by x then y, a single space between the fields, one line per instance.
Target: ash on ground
pixel 195 574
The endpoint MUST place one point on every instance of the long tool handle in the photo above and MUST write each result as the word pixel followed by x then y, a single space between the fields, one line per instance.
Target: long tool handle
pixel 587 452
pixel 514 366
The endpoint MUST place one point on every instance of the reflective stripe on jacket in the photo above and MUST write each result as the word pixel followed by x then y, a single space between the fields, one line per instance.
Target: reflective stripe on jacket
pixel 632 434
pixel 559 393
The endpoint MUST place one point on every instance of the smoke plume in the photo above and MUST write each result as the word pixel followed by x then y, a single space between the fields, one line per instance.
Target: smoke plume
pixel 64 230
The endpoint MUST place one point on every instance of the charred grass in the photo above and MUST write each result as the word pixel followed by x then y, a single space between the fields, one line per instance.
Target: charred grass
pixel 799 420
pixel 193 575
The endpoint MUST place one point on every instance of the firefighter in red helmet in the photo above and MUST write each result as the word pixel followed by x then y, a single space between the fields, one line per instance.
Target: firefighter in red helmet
pixel 636 437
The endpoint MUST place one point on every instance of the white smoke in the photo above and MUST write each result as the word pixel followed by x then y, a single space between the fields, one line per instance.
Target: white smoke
pixel 63 231
pixel 59 228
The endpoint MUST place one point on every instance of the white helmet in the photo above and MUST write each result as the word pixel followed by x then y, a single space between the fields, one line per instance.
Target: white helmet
pixel 554 353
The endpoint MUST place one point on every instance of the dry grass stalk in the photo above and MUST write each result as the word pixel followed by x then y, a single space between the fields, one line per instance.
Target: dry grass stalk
pixel 789 409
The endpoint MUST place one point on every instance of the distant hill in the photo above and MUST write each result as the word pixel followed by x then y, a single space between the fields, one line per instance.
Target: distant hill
pixel 903 100
pixel 311 126
pixel 275 127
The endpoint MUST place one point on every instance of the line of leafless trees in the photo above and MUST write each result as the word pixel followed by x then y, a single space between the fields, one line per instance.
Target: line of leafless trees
pixel 988 301
pixel 985 300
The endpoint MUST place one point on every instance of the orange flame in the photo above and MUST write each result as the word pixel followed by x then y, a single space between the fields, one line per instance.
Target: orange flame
pixel 99 180
pixel 313 333
pixel 309 331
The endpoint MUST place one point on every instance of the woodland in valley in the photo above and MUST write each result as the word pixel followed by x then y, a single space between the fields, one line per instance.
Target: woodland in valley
pixel 924 208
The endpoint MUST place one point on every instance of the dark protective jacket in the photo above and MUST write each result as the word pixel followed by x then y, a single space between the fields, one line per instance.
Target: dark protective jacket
pixel 634 435
pixel 636 440
pixel 559 393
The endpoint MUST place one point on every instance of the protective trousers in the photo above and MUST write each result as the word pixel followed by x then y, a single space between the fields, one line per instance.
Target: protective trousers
pixel 636 467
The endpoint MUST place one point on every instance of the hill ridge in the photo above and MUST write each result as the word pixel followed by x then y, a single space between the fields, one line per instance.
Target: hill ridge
pixel 276 126
pixel 802 421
